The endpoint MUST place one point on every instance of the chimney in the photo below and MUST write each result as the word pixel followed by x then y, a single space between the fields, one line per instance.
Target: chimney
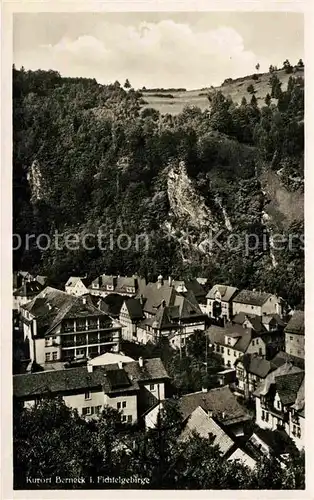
pixel 204 389
pixel 84 300
pixel 170 281
pixel 120 364
pixel 89 367
pixel 141 361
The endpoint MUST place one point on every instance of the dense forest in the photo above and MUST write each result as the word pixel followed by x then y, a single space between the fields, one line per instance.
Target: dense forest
pixel 87 156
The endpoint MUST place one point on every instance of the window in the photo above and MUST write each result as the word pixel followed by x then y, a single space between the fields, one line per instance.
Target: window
pixel 123 404
pixel 256 341
pixel 252 307
pixel 123 418
pixel 86 410
pixel 253 342
pixel 47 356
pixel 278 405
pixel 119 406
pixel 47 342
pixel 228 352
pixel 152 387
pixel 229 341
pixel 129 418
pixel 291 338
pixel 266 416
pixel 235 354
pixel 222 350
pixel 98 409
pixel 298 432
pixel 87 395
pixel 55 355
pixel 263 415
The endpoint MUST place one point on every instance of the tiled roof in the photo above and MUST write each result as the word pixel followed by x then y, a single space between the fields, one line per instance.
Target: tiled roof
pixel 193 286
pixel 110 377
pixel 155 296
pixel 283 357
pixel 204 425
pixel 256 365
pixel 226 292
pixel 296 323
pixel 221 401
pixel 284 369
pixel 251 297
pixel 217 335
pixel 135 308
pixel 111 304
pixel 73 280
pixel 300 399
pixel 51 306
pixel 288 386
pixel 120 284
pixel 29 289
pixel 244 457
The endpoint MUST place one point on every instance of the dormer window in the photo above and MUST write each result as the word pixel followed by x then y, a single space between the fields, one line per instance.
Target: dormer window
pixel 110 287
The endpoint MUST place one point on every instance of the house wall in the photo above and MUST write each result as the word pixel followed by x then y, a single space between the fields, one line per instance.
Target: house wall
pixel 257 346
pixel 77 290
pixel 294 426
pixel 230 356
pixel 19 301
pixel 225 308
pixel 270 421
pixel 129 399
pixel 128 328
pixel 294 344
pixel 246 308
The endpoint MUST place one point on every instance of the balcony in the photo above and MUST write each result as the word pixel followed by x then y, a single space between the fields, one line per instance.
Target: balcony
pixel 68 343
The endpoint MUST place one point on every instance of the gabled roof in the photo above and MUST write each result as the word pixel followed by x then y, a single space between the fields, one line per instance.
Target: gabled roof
pixel 278 441
pixel 204 425
pixel 135 308
pixel 256 365
pixel 288 386
pixel 251 297
pixel 300 399
pixel 73 280
pixel 226 292
pixel 283 357
pixel 51 306
pixel 193 286
pixel 296 323
pixel 217 335
pixel 220 401
pixel 270 379
pixel 28 289
pixel 155 295
pixel 109 377
pixel 111 304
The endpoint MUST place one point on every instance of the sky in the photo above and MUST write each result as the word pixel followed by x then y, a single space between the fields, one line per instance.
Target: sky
pixel 161 49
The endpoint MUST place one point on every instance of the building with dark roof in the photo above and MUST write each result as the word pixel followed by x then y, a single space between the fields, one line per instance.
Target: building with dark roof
pixel 123 285
pixel 232 341
pixel 222 404
pixel 251 369
pixel 257 303
pixel 130 387
pixel 62 327
pixel 219 301
pixel 279 400
pixel 25 293
pixel 294 335
pixel 130 316
pixel 169 313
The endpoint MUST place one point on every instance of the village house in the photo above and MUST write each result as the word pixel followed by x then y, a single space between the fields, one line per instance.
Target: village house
pixel 205 425
pixel 269 326
pixel 194 286
pixel 131 314
pixel 20 278
pixel 169 314
pixel 25 293
pixel 123 285
pixel 294 335
pixel 62 327
pixel 129 387
pixel 219 301
pixel 232 341
pixel 77 286
pixel 257 303
pixel 220 403
pixel 280 402
pixel 251 369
